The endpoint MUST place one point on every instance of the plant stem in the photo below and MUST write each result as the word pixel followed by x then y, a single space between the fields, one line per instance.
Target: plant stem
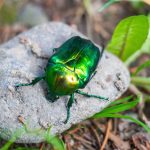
pixel 144 81
pixel 89 18
pixel 133 57
pixel 147 98
pixel 87 5
pixel 141 104
pixel 107 4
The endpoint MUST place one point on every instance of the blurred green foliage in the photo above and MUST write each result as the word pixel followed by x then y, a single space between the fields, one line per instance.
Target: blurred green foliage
pixel 8 14
pixel 137 4
pixel 9 10
pixel 141 67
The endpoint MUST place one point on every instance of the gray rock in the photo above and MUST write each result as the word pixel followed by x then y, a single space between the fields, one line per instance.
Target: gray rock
pixel 25 57
pixel 32 15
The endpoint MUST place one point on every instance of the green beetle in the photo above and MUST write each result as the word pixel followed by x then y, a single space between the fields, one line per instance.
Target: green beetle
pixel 70 69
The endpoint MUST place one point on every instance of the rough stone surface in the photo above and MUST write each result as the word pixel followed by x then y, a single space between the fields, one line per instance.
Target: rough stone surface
pixel 25 57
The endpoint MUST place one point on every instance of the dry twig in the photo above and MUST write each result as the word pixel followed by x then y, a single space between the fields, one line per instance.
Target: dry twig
pixel 67 142
pixel 97 136
pixel 141 104
pixel 79 138
pixel 109 127
pixel 41 146
pixel 119 143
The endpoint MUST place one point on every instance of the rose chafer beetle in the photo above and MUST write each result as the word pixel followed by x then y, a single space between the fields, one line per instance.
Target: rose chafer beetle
pixel 70 69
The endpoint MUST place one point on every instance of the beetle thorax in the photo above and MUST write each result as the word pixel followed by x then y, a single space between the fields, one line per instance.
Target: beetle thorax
pixel 61 80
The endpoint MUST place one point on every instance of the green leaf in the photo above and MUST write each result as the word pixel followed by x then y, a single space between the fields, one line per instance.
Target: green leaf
pixel 141 67
pixel 120 107
pixel 144 49
pixel 117 108
pixel 146 46
pixel 129 36
pixel 122 100
pixel 130 118
pixel 14 137
pixel 55 141
pixel 114 109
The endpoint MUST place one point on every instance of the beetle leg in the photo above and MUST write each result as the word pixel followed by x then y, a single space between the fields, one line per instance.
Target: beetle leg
pixel 37 79
pixel 69 105
pixel 90 95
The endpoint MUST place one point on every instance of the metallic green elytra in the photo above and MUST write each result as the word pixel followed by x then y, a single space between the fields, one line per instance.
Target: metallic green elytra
pixel 71 67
